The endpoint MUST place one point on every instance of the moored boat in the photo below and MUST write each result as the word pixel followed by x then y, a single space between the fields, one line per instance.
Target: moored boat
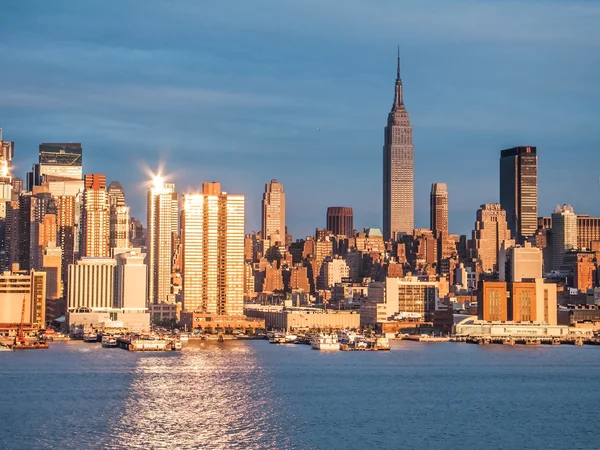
pixel 5 348
pixel 109 341
pixel 90 337
pixel 35 345
pixel 325 342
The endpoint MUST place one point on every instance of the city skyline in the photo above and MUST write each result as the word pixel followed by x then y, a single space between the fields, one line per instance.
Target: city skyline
pixel 463 102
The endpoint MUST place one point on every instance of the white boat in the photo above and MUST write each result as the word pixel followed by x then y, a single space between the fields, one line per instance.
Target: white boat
pixel 277 338
pixel 325 342
pixel 90 337
pixel 382 343
pixel 5 348
pixel 109 341
pixel 184 337
pixel 290 338
pixel 347 337
pixel 177 345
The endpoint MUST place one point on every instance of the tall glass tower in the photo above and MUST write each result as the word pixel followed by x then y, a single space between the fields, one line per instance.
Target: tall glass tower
pixel 519 190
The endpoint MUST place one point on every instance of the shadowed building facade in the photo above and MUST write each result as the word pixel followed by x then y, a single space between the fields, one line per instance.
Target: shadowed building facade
pixel 340 221
pixel 398 169
pixel 439 208
pixel 519 190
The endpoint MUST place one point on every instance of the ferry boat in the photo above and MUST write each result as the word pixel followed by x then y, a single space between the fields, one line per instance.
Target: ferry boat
pixel 109 341
pixel 348 337
pixel 325 342
pixel 382 343
pixel 277 338
pixel 90 337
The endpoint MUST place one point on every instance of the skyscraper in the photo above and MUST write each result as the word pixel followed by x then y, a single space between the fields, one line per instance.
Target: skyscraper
pixel 564 234
pixel 491 230
pixel 273 212
pixel 57 161
pixel 340 221
pixel 162 230
pixel 519 190
pixel 213 251
pixel 439 208
pixel 95 224
pixel 398 169
pixel 6 188
pixel 119 216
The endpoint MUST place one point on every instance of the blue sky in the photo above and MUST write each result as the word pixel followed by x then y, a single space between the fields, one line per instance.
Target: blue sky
pixel 234 91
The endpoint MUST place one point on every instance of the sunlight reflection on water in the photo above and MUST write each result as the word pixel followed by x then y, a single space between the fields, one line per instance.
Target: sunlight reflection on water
pixel 209 396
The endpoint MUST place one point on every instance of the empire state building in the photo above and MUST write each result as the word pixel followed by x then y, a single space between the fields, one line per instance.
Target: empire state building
pixel 398 169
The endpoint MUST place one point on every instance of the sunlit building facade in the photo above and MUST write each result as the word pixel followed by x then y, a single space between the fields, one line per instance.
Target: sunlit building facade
pixel 162 230
pixel 398 169
pixel 273 212
pixel 95 231
pixel 213 251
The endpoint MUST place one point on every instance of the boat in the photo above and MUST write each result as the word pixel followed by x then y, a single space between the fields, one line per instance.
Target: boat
pixel 90 337
pixel 290 338
pixel 35 345
pixel 347 336
pixel 176 345
pixel 428 338
pixel 109 341
pixel 184 337
pixel 382 343
pixel 5 348
pixel 325 342
pixel 20 342
pixel 277 338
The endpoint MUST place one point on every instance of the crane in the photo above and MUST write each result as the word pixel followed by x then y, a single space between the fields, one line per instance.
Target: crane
pixel 20 337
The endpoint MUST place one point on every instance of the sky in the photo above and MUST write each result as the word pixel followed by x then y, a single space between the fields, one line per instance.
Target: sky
pixel 244 92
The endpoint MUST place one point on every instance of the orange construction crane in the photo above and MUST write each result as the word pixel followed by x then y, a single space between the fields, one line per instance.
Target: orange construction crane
pixel 20 337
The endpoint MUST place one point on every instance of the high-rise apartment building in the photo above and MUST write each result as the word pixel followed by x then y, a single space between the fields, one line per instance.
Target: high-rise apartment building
pixel 130 281
pixel 91 284
pixel 491 230
pixel 438 211
pixel 519 190
pixel 6 188
pixel 213 251
pixel 95 229
pixel 17 287
pixel 51 264
pixel 273 213
pixel 564 234
pixel 588 229
pixel 398 169
pixel 119 217
pixel 340 221
pixel 162 232
pixel 519 263
pixel 57 162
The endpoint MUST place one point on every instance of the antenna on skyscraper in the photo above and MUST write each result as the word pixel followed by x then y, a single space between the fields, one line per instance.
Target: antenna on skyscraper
pixel 398 72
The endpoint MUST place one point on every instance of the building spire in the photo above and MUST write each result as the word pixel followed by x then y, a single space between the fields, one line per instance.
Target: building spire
pixel 398 72
pixel 398 102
